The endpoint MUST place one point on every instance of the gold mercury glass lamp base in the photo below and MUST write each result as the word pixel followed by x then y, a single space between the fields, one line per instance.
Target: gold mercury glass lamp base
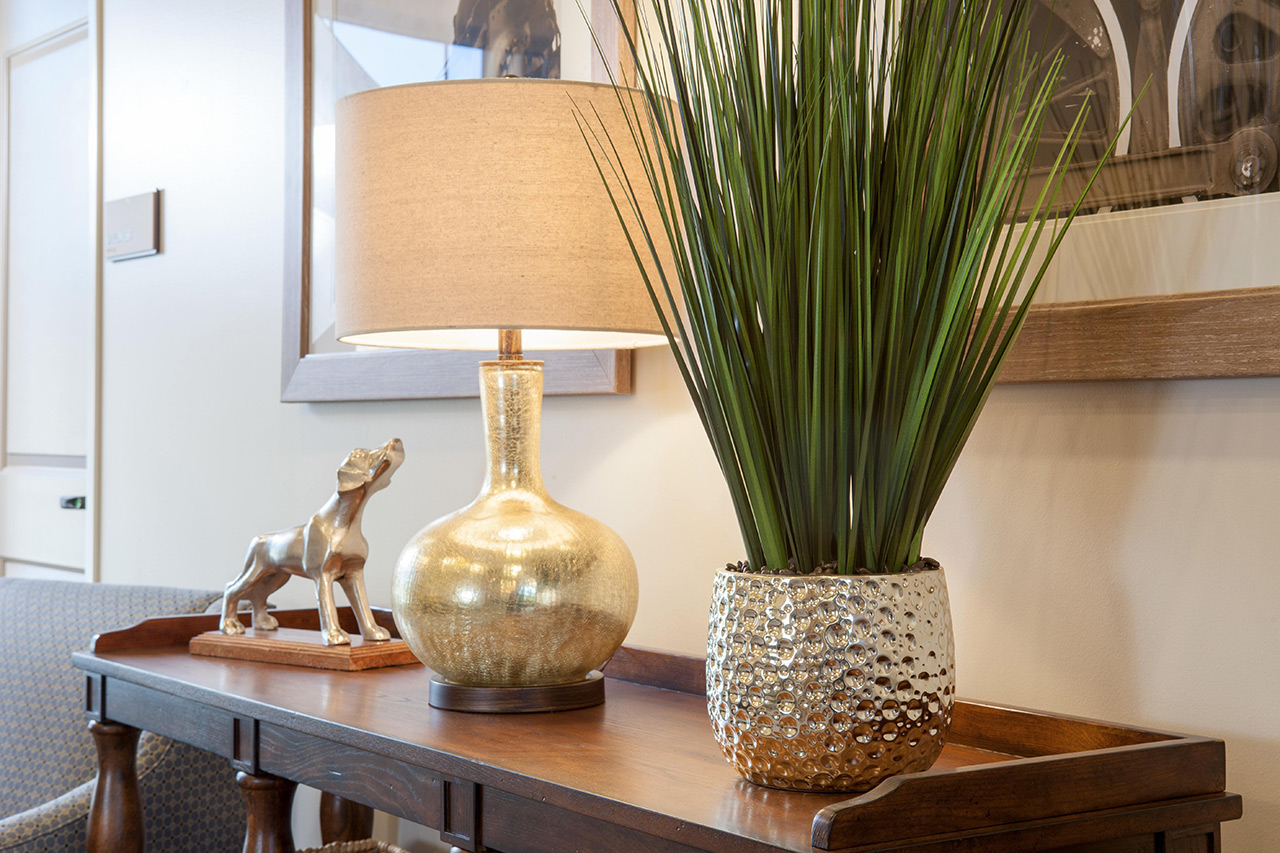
pixel 515 600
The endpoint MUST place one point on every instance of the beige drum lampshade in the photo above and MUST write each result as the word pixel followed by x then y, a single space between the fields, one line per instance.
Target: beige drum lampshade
pixel 465 207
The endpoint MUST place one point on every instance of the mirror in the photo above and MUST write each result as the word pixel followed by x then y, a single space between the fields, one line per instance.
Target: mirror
pixel 337 47
pixel 1172 269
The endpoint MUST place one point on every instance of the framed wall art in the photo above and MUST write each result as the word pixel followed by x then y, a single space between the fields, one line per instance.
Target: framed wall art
pixel 1173 269
pixel 336 47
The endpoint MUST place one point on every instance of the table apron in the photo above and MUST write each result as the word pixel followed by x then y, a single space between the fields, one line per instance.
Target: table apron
pixel 516 824
pixel 185 720
pixel 396 787
pixel 469 816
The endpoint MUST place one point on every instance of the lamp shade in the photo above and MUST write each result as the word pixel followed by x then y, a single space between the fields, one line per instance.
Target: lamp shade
pixel 470 206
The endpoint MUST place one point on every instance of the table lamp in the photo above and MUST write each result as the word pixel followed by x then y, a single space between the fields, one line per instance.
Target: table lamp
pixel 471 215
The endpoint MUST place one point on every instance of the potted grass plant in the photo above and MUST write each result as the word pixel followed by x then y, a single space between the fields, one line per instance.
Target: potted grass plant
pixel 843 188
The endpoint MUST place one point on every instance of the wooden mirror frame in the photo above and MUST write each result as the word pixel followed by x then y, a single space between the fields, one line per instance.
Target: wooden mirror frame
pixel 1221 333
pixel 1225 333
pixel 390 374
pixel 1199 334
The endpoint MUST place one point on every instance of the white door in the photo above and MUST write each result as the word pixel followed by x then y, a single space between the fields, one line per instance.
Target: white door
pixel 50 285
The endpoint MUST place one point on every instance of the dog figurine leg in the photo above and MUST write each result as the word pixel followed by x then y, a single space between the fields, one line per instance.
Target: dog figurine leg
pixel 268 583
pixel 353 585
pixel 329 627
pixel 242 586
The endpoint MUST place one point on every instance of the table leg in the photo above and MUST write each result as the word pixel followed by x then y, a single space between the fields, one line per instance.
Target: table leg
pixel 344 820
pixel 115 815
pixel 270 804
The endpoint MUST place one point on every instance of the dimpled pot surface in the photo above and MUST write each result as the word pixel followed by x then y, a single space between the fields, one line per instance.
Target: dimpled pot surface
pixel 830 683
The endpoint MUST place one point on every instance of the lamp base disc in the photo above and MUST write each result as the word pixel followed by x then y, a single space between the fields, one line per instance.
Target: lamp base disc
pixel 517 700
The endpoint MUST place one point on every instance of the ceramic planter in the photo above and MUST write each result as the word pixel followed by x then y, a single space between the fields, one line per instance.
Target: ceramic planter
pixel 830 683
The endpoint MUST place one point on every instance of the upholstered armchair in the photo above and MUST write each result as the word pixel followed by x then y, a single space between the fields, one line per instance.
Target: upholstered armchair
pixel 47 758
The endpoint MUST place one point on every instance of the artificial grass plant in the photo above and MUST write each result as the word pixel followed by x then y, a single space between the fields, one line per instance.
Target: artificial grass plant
pixel 836 183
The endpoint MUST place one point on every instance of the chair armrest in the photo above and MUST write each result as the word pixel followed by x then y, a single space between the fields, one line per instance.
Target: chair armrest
pixel 61 823
pixel 58 824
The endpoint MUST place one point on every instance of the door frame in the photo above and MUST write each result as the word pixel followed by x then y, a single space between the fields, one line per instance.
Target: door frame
pixel 92 25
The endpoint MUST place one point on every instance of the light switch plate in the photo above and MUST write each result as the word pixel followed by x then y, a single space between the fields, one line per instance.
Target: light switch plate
pixel 131 227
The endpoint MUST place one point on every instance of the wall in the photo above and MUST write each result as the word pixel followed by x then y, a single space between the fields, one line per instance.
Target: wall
pixel 1111 549
pixel 1112 553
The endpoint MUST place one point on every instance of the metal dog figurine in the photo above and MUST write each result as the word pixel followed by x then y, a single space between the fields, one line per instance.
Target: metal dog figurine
pixel 328 548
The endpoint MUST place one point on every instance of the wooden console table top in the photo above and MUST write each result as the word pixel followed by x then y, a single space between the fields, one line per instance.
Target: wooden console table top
pixel 642 772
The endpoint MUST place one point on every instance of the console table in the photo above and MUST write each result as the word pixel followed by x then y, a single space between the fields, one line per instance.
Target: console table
pixel 639 773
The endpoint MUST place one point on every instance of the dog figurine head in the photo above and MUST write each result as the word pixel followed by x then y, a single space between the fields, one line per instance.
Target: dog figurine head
pixel 370 469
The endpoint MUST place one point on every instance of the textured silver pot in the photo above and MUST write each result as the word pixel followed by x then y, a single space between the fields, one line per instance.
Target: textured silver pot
pixel 830 683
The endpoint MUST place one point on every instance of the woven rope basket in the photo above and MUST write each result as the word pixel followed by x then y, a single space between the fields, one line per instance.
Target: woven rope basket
pixel 368 845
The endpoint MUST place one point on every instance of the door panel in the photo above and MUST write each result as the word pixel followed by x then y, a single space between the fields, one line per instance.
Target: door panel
pixel 50 293
pixel 33 526
pixel 50 266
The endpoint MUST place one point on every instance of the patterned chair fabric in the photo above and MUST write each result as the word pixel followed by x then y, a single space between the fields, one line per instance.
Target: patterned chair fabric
pixel 47 758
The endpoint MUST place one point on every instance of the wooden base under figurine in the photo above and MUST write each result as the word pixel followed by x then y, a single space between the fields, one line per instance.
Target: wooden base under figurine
pixel 301 647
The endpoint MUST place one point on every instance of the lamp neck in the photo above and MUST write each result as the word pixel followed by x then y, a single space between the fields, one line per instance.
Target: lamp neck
pixel 511 402
pixel 510 345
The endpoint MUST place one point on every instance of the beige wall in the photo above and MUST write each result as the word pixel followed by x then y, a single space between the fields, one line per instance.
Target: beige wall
pixel 1112 553
pixel 1111 548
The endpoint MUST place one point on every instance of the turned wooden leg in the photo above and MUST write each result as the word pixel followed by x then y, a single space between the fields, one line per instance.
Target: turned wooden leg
pixel 343 820
pixel 270 803
pixel 115 816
